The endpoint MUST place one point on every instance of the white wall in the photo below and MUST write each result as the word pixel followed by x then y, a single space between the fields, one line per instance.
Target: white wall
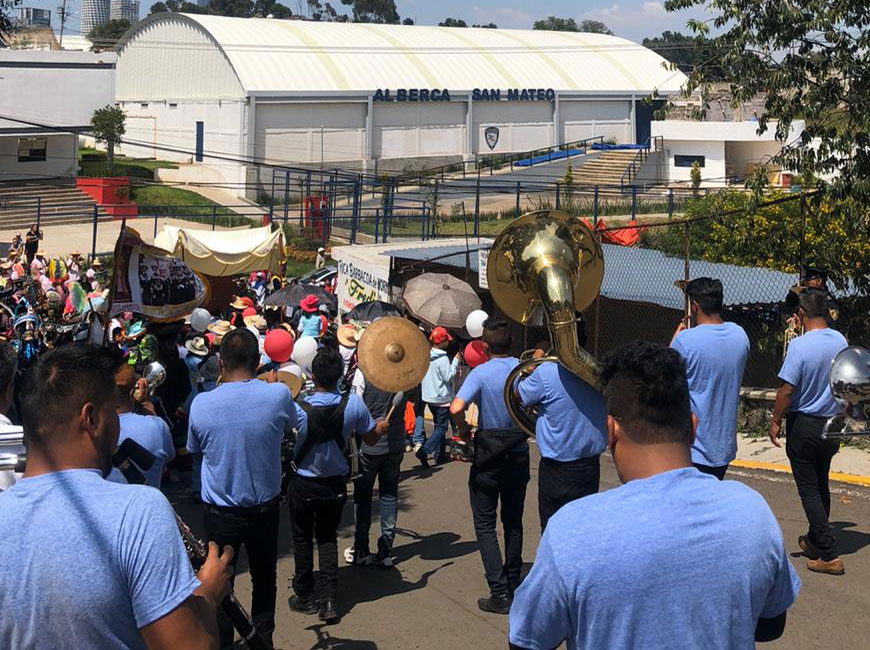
pixel 713 171
pixel 291 132
pixel 522 125
pixel 60 160
pixel 741 157
pixel 409 130
pixel 587 118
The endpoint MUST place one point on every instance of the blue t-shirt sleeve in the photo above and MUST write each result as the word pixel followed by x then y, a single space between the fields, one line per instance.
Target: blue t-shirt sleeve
pixel 785 589
pixel 540 617
pixel 531 388
pixel 470 389
pixel 363 422
pixel 193 443
pixel 678 345
pixel 166 437
pixel 791 367
pixel 153 560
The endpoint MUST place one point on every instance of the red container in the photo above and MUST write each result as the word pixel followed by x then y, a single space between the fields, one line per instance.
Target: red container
pixel 112 194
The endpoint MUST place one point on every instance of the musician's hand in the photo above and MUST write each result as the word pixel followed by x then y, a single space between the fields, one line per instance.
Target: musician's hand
pixel 382 426
pixel 272 377
pixel 775 428
pixel 215 574
pixel 140 393
pixel 681 327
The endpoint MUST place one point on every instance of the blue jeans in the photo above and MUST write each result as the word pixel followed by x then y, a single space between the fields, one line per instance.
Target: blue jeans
pixel 419 438
pixel 386 469
pixel 436 446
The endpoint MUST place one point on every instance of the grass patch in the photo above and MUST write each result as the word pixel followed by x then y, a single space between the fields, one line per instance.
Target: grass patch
pixel 167 195
pixel 174 202
pixel 94 164
pixel 296 269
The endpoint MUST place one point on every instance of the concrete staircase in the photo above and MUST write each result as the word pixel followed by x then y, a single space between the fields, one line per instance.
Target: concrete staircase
pixel 606 168
pixel 55 204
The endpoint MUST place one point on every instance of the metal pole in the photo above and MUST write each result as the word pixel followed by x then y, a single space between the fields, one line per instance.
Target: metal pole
pixel 155 225
pixel 803 200
pixel 477 206
pixel 595 207
pixel 670 203
pixel 519 186
pixel 213 217
pixel 377 223
pixel 558 187
pixel 634 201
pixel 38 211
pixel 94 240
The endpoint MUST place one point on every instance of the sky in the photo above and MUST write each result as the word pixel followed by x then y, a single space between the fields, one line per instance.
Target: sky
pixel 631 19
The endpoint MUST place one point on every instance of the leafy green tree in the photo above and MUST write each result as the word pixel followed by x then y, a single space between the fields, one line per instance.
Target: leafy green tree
pixel 107 125
pixel 105 36
pixel 556 24
pixel 453 22
pixel 6 22
pixel 487 26
pixel 594 27
pixel 695 174
pixel 373 11
pixel 809 60
pixel 687 52
pixel 408 21
pixel 265 8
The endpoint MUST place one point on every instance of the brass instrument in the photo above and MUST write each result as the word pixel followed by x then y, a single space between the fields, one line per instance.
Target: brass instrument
pixel 547 264
pixel 850 384
pixel 154 374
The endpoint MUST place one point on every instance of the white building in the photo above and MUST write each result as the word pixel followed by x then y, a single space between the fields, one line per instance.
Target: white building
pixel 725 151
pixel 231 92
pixel 94 12
pixel 44 98
pixel 124 10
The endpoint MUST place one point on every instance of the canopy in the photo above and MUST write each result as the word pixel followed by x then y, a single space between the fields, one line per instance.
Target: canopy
pixel 223 253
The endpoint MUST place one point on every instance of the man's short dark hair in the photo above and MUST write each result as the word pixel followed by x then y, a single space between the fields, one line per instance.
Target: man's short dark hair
pixel 707 292
pixel 814 302
pixel 240 350
pixel 497 335
pixel 647 391
pixel 327 367
pixel 61 382
pixel 8 365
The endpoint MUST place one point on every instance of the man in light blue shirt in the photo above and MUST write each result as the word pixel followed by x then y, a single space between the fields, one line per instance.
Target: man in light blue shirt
pixel 502 478
pixel 570 435
pixel 94 564
pixel 673 558
pixel 805 395
pixel 318 491
pixel 715 354
pixel 238 428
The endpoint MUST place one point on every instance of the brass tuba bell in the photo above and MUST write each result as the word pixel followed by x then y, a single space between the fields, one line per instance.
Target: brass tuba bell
pixel 850 384
pixel 547 266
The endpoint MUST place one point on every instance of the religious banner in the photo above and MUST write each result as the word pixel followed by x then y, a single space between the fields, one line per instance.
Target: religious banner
pixel 147 280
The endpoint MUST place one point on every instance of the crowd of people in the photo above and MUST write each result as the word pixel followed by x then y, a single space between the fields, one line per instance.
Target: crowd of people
pixel 267 407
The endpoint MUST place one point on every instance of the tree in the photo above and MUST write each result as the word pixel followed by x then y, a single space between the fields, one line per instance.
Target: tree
pixel 408 21
pixel 7 24
pixel 686 52
pixel 107 125
pixel 594 27
pixel 178 6
pixel 810 62
pixel 373 11
pixel 453 22
pixel 266 8
pixel 554 24
pixel 105 36
pixel 695 174
pixel 487 26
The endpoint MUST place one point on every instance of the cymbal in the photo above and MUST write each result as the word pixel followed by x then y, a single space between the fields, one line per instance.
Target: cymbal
pixel 287 378
pixel 393 354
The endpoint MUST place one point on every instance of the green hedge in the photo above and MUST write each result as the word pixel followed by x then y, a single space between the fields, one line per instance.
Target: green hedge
pixel 90 169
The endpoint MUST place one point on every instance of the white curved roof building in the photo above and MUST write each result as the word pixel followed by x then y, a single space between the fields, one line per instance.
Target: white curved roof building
pixel 288 91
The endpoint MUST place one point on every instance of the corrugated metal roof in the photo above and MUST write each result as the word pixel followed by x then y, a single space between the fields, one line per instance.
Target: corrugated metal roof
pixel 311 57
pixel 646 275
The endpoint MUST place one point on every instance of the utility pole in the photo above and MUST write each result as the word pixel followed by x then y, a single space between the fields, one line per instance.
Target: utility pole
pixel 62 13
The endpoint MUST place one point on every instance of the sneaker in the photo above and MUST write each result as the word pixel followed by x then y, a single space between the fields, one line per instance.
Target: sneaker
pixel 358 558
pixel 384 558
pixel 303 604
pixel 808 547
pixel 418 446
pixel 409 447
pixel 833 567
pixel 421 456
pixel 495 604
pixel 327 612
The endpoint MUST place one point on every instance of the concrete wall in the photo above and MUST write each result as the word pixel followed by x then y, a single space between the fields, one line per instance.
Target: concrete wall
pixel 587 118
pixel 713 171
pixel 61 152
pixel 741 157
pixel 291 132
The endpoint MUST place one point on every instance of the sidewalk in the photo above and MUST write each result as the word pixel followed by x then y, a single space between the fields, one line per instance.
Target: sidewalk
pixel 850 465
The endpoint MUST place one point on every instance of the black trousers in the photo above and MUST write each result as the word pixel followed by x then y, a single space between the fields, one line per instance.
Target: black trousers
pixel 506 482
pixel 561 482
pixel 810 459
pixel 315 513
pixel 257 529
pixel 718 472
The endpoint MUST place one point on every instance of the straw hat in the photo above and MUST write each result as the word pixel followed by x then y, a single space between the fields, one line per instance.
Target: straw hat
pixel 96 263
pixel 256 321
pixel 220 329
pixel 241 302
pixel 347 336
pixel 40 252
pixel 197 346
pixel 75 253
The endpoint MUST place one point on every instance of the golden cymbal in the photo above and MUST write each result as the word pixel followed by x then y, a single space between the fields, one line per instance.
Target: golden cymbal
pixel 287 378
pixel 393 354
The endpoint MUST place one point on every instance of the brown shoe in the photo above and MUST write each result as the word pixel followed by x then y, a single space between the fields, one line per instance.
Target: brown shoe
pixel 833 567
pixel 809 548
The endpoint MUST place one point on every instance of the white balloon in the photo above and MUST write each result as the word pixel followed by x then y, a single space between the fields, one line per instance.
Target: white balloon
pixel 200 319
pixel 304 351
pixel 293 369
pixel 474 323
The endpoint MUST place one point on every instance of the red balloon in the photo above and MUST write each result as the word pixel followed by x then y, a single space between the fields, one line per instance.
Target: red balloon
pixel 249 311
pixel 475 353
pixel 279 345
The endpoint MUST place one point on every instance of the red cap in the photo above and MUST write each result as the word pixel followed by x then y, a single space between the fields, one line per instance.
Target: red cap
pixel 440 335
pixel 309 303
pixel 249 311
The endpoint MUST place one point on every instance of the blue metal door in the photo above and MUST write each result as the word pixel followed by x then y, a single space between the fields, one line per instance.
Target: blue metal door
pixel 199 134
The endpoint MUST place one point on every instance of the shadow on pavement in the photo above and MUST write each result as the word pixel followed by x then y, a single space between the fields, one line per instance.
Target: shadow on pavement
pixel 326 641
pixel 849 541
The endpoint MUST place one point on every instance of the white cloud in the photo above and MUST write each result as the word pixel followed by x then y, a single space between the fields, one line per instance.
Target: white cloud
pixel 653 8
pixel 635 20
pixel 507 17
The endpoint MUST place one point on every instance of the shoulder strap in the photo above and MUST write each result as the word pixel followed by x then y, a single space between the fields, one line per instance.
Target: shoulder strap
pixel 327 420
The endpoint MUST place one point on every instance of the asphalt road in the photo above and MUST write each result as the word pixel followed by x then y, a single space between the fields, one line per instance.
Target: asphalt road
pixel 429 599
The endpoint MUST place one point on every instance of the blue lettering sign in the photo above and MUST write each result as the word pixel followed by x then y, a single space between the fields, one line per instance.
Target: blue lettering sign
pixel 477 95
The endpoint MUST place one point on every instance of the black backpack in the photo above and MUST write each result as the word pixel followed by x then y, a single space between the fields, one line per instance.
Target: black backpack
pixel 325 424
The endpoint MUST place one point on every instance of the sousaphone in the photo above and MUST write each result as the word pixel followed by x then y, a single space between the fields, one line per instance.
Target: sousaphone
pixel 850 385
pixel 547 265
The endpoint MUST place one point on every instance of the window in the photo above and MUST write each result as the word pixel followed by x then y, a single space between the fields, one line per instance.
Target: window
pixel 143 105
pixel 687 161
pixel 173 106
pixel 31 149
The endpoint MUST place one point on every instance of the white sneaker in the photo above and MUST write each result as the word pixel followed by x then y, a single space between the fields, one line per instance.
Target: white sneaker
pixel 351 557
pixel 408 446
pixel 418 447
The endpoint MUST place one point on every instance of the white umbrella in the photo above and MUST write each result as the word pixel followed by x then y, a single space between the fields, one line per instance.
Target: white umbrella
pixel 440 299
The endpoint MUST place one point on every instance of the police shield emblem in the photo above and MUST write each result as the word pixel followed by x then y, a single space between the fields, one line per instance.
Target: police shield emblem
pixel 491 135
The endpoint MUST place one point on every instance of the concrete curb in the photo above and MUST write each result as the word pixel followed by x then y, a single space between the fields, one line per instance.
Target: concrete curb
pixel 852 479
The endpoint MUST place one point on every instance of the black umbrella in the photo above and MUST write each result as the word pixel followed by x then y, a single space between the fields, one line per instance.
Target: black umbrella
pixel 290 296
pixel 366 312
